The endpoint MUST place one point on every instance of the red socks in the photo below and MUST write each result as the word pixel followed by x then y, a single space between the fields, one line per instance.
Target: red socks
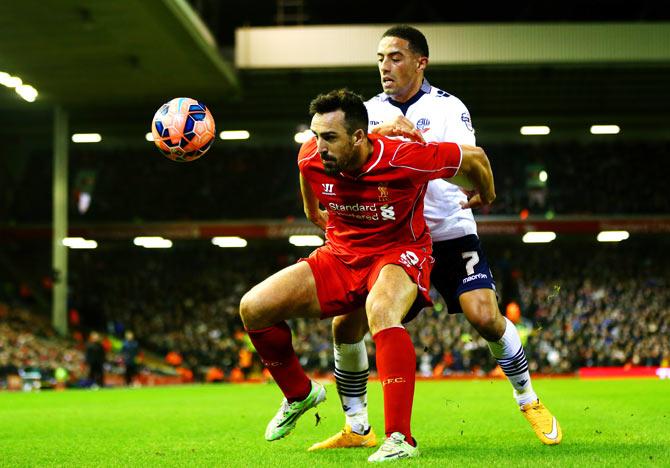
pixel 275 348
pixel 396 365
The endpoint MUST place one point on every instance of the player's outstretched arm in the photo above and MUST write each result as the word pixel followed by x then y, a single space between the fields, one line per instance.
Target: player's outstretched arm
pixel 475 174
pixel 310 205
pixel 400 126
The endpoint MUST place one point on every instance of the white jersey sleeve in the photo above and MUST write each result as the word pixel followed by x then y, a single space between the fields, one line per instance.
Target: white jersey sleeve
pixel 457 123
pixel 440 117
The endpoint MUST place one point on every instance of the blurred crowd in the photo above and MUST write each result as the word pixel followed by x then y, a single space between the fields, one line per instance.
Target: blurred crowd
pixel 33 352
pixel 576 305
pixel 545 179
pixel 34 356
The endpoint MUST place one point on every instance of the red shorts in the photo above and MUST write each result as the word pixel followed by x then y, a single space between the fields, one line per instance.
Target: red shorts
pixel 343 288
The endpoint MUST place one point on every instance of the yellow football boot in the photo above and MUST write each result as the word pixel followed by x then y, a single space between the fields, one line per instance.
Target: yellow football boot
pixel 544 423
pixel 346 439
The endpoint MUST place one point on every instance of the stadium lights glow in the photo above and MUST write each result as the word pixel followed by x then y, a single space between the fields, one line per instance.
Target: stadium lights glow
pixel 612 236
pixel 605 129
pixel 149 136
pixel 9 80
pixel 535 130
pixel 229 241
pixel 306 241
pixel 153 242
pixel 302 137
pixel 543 176
pixel 86 138
pixel 538 237
pixel 234 135
pixel 79 243
pixel 27 92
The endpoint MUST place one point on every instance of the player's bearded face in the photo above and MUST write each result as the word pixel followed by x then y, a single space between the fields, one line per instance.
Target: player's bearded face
pixel 400 69
pixel 335 145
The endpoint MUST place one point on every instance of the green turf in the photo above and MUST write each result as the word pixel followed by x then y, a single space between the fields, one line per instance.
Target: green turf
pixel 457 423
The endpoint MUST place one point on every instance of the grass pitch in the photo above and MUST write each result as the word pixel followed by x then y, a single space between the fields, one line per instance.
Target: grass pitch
pixel 457 423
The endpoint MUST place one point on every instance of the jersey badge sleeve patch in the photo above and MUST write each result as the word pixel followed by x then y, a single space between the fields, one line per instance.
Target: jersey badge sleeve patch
pixel 465 118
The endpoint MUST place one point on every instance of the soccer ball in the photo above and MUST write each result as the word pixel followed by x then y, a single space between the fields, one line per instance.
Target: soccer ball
pixel 183 129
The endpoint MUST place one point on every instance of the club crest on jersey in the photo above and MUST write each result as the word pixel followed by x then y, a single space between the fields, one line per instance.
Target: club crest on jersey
pixel 383 192
pixel 328 189
pixel 423 125
pixel 465 117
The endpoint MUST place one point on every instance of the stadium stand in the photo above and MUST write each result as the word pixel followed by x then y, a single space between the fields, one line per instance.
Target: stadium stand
pixel 583 178
pixel 583 305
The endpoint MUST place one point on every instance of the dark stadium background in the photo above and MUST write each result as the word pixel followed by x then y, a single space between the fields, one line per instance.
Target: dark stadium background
pixel 108 68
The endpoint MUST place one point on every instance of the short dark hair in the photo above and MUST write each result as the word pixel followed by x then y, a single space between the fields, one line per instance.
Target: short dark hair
pixel 417 41
pixel 355 113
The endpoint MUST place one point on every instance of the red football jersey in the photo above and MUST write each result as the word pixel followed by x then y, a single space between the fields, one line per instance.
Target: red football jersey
pixel 381 207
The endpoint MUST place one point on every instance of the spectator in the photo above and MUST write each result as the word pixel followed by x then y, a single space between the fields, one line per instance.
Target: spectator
pixel 95 358
pixel 130 354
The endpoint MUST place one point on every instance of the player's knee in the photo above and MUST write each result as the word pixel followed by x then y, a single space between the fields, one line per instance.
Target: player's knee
pixel 381 317
pixel 250 310
pixel 349 328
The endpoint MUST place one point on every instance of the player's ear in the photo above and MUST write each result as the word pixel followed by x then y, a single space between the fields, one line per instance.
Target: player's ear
pixel 422 63
pixel 359 136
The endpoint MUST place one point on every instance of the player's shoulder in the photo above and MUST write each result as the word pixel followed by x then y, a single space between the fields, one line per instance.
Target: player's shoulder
pixel 307 151
pixel 377 100
pixel 444 99
pixel 381 97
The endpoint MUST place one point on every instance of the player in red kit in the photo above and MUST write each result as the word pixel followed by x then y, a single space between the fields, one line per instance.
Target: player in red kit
pixel 377 257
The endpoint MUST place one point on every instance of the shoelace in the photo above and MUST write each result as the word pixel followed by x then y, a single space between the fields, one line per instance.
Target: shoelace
pixel 285 407
pixel 391 443
pixel 540 418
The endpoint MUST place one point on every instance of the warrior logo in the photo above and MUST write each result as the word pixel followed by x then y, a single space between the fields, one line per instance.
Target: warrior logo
pixel 328 189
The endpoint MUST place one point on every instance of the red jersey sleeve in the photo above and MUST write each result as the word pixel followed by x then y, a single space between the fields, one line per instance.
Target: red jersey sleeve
pixel 427 161
pixel 307 152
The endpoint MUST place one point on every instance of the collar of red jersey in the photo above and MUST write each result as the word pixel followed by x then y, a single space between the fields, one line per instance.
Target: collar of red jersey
pixel 373 160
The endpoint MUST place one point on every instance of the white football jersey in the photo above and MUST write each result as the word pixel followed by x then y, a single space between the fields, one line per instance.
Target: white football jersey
pixel 440 117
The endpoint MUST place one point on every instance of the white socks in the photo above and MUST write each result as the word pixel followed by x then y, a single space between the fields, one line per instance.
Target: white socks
pixel 351 376
pixel 509 353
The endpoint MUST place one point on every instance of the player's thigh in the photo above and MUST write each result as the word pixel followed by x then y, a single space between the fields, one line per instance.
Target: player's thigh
pixel 350 328
pixel 390 298
pixel 289 293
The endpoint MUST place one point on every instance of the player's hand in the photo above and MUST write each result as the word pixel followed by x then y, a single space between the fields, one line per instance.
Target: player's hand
pixel 319 218
pixel 477 199
pixel 400 126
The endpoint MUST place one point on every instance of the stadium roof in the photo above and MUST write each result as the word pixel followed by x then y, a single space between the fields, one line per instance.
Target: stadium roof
pixel 97 53
pixel 112 63
pixel 97 58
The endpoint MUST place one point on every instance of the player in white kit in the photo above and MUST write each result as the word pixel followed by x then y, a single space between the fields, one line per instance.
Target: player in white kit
pixel 461 274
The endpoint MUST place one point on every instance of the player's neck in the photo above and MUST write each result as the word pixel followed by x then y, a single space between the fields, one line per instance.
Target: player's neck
pixel 411 92
pixel 363 155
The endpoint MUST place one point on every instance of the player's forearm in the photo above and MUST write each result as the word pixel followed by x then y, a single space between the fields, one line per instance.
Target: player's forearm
pixel 476 168
pixel 310 203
